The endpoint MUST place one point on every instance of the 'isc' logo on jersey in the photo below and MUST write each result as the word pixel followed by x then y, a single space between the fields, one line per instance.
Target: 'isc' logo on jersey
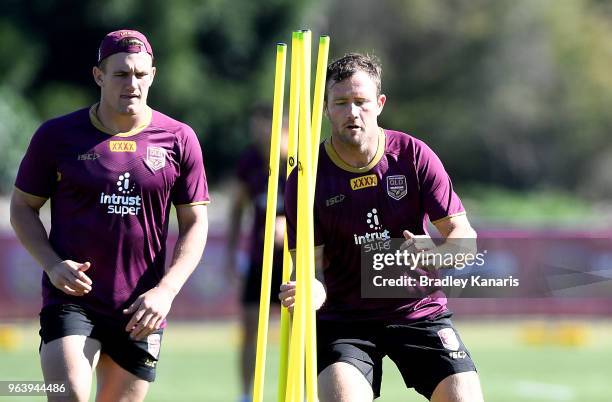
pixel 364 181
pixel 122 146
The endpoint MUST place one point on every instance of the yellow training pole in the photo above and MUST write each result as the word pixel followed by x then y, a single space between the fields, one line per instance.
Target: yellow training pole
pixel 264 301
pixel 295 386
pixel 285 318
pixel 318 100
pixel 317 114
pixel 293 380
pixel 307 222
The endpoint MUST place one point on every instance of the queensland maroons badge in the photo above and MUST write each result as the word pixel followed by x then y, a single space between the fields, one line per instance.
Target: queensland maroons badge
pixel 397 187
pixel 153 345
pixel 156 158
pixel 449 338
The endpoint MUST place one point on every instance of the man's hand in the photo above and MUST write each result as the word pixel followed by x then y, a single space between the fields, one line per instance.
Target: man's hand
pixel 69 277
pixel 416 243
pixel 287 294
pixel 148 312
pixel 422 244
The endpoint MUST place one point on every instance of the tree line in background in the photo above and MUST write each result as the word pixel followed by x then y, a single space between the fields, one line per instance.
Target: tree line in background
pixel 509 93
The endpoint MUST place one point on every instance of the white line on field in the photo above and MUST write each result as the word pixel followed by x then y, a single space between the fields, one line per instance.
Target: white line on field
pixel 541 390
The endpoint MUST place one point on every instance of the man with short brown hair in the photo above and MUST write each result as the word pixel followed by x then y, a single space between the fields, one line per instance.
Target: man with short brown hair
pixel 373 185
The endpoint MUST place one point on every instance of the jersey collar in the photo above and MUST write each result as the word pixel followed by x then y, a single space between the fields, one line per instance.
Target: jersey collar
pixel 93 117
pixel 333 155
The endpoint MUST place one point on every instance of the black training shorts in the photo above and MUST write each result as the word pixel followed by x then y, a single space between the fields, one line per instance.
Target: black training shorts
pixel 425 352
pixel 137 357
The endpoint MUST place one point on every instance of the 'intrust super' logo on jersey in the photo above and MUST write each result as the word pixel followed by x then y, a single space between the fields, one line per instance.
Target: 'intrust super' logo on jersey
pixel 364 181
pixel 122 146
pixel 371 237
pixel 122 204
pixel 372 219
pixel 378 238
pixel 123 184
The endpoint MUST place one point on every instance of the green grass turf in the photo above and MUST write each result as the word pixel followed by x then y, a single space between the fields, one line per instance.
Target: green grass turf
pixel 198 363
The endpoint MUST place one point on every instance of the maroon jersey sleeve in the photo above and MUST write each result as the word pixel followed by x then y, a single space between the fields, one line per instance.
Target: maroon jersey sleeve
pixel 191 186
pixel 37 173
pixel 439 199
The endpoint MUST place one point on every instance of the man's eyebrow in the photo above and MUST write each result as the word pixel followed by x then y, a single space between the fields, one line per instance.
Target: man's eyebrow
pixel 344 97
pixel 128 70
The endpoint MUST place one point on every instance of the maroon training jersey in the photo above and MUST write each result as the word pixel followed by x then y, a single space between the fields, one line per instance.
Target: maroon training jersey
pixel 110 199
pixel 253 172
pixel 400 189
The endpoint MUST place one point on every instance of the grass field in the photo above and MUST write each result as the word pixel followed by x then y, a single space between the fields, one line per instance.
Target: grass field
pixel 198 363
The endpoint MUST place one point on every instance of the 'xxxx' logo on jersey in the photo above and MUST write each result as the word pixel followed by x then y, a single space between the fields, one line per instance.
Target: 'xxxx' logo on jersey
pixel 122 146
pixel 364 181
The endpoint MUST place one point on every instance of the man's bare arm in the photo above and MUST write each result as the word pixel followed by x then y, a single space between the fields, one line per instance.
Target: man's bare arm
pixel 66 275
pixel 460 238
pixel 151 308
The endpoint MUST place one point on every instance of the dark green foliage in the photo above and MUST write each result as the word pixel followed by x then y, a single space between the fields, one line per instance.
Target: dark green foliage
pixel 514 94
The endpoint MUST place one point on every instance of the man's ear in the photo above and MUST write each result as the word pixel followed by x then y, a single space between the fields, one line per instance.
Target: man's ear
pixel 381 103
pixel 98 76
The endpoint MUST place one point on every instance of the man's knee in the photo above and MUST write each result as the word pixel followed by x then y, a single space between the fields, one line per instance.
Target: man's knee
pixel 343 382
pixel 70 360
pixel 461 387
pixel 117 384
